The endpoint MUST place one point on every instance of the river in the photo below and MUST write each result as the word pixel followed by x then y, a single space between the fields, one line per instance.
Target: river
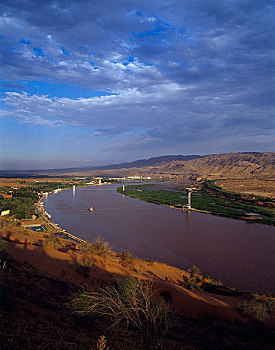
pixel 239 254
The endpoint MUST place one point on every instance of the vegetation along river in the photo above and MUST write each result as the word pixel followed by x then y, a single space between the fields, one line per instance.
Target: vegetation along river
pixel 239 254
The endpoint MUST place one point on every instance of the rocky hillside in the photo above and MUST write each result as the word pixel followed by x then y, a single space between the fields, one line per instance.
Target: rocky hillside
pixel 233 165
pixel 230 165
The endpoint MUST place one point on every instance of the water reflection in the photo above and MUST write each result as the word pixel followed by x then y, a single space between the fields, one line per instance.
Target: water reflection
pixel 187 218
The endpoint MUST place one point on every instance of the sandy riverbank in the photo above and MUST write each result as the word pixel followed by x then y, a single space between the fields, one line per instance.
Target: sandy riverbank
pixel 58 261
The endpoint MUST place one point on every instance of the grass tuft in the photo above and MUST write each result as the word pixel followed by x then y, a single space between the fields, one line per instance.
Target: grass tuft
pixel 257 309
pixel 126 259
pixel 128 302
pixel 99 247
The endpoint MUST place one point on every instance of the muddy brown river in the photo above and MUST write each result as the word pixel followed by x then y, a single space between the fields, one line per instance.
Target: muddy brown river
pixel 239 254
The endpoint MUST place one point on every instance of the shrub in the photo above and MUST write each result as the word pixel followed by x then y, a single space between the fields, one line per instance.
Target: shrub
pixel 3 247
pixel 193 270
pixel 126 258
pixel 83 263
pixel 102 344
pixel 3 256
pixel 38 243
pixel 85 247
pixel 128 302
pixel 142 270
pixel 52 241
pixel 257 309
pixel 190 283
pixel 101 247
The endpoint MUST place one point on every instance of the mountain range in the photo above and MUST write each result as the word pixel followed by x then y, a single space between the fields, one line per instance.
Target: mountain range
pixel 231 165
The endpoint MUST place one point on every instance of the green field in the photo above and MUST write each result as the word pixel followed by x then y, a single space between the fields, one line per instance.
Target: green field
pixel 204 202
pixel 22 202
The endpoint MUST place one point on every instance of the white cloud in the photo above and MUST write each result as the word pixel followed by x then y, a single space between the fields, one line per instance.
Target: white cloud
pixel 186 70
pixel 97 133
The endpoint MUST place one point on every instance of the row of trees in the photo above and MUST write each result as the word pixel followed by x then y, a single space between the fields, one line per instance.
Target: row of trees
pixel 21 204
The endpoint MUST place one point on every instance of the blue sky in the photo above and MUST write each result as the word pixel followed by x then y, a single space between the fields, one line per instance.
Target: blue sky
pixel 89 83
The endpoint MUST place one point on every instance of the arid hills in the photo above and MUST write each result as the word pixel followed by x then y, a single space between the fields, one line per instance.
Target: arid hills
pixel 241 172
pixel 233 165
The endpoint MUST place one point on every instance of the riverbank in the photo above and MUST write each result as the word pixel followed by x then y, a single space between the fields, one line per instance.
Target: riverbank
pixel 54 228
pixel 50 256
pixel 202 202
pixel 35 312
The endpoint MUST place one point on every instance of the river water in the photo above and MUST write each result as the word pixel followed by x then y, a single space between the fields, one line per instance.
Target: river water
pixel 240 254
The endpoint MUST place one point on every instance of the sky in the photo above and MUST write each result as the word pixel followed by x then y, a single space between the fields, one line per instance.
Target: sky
pixel 95 82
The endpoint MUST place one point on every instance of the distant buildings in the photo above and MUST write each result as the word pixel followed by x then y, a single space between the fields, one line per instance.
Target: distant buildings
pixel 139 177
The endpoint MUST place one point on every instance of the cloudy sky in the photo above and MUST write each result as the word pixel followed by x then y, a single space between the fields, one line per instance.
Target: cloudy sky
pixel 92 82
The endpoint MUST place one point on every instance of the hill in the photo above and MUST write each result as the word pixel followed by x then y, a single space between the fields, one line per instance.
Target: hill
pixel 229 165
pixel 236 165
pixel 135 164
pixel 214 166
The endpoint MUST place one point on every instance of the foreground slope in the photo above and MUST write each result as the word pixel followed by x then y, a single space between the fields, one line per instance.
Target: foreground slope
pixel 40 277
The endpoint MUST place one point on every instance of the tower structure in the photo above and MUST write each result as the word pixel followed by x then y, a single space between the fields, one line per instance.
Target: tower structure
pixel 189 191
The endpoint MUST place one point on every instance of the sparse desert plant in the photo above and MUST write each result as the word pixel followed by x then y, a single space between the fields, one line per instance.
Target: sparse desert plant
pixel 38 243
pixel 3 255
pixel 3 264
pixel 3 247
pixel 193 270
pixel 126 258
pixel 257 309
pixel 83 263
pixel 142 270
pixel 128 302
pixel 85 247
pixel 190 283
pixel 101 247
pixel 213 282
pixel 53 241
pixel 102 344
pixel 26 232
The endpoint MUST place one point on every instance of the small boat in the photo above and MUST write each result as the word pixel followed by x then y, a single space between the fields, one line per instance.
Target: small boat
pixel 91 209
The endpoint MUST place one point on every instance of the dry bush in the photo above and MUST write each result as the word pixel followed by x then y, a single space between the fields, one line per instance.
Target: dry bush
pixel 99 247
pixel 83 263
pixel 190 283
pixel 52 241
pixel 128 302
pixel 194 271
pixel 257 309
pixel 126 258
pixel 3 247
pixel 102 344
